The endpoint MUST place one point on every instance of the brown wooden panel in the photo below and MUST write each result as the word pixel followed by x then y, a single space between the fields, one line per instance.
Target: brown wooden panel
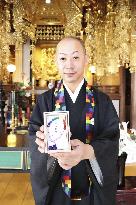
pixel 28 200
pixel 16 190
pixel 4 181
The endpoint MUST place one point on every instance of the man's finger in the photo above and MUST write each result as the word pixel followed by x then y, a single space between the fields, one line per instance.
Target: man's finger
pixel 40 143
pixel 59 154
pixel 42 128
pixel 41 149
pixel 40 135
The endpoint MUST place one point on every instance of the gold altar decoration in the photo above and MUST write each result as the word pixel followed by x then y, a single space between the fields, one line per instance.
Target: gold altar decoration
pixel 44 67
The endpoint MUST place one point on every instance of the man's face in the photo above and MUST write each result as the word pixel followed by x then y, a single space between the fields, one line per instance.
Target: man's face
pixel 71 60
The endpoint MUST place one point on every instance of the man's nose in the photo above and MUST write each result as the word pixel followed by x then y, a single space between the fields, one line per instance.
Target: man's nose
pixel 69 63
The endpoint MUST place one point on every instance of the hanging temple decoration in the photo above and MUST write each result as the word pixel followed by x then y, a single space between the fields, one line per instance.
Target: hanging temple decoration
pixel 108 29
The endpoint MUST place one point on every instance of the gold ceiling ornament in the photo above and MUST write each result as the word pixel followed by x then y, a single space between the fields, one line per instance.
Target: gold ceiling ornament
pixel 111 63
pixel 99 60
pixel 122 37
pixel 4 41
pixel 41 13
pixel 133 54
pixel 23 27
pixel 118 33
pixel 73 18
pixel 81 3
pixel 110 39
pixel 90 36
pixel 49 32
pixel 18 23
pixel 95 39
pixel 132 64
pixel 108 36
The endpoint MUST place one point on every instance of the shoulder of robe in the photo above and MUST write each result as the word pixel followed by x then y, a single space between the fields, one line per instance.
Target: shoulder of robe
pixel 47 95
pixel 99 95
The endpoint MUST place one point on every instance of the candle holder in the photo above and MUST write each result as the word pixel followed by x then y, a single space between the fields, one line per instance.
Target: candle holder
pixel 2 104
pixel 11 68
pixel 12 138
pixel 33 95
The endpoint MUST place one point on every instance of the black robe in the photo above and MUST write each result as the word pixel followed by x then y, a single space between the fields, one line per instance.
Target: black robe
pixel 46 182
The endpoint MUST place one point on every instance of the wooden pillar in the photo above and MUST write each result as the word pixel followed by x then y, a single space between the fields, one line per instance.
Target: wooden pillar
pixel 26 62
pixel 133 100
pixel 17 75
pixel 122 113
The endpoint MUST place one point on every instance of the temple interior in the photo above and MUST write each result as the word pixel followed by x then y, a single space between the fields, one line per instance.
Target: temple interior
pixel 29 33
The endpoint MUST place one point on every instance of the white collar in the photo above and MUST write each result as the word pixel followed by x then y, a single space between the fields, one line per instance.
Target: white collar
pixel 75 94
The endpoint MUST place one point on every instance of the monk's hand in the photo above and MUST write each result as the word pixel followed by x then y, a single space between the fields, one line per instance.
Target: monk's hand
pixel 80 151
pixel 40 140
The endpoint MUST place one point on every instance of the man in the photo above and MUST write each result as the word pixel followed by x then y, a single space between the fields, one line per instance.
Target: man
pixel 90 168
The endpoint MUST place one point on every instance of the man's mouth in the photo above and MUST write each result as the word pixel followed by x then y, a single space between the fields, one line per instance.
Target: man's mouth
pixel 69 73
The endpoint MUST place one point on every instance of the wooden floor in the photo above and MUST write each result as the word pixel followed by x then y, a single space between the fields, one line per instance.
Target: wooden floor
pixel 15 189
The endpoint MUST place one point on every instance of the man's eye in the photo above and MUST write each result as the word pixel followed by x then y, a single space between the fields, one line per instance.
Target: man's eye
pixel 62 59
pixel 76 57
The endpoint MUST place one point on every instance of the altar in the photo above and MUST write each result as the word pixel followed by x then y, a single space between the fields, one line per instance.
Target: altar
pixel 14 153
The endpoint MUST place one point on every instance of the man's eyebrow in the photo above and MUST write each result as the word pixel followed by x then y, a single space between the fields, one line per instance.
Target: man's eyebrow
pixel 66 54
pixel 75 52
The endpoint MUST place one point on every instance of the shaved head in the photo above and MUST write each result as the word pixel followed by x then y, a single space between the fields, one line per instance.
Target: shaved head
pixel 72 38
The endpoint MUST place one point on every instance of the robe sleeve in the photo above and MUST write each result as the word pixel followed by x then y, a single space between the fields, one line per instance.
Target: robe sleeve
pixel 97 171
pixel 106 143
pixel 38 171
pixel 106 146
